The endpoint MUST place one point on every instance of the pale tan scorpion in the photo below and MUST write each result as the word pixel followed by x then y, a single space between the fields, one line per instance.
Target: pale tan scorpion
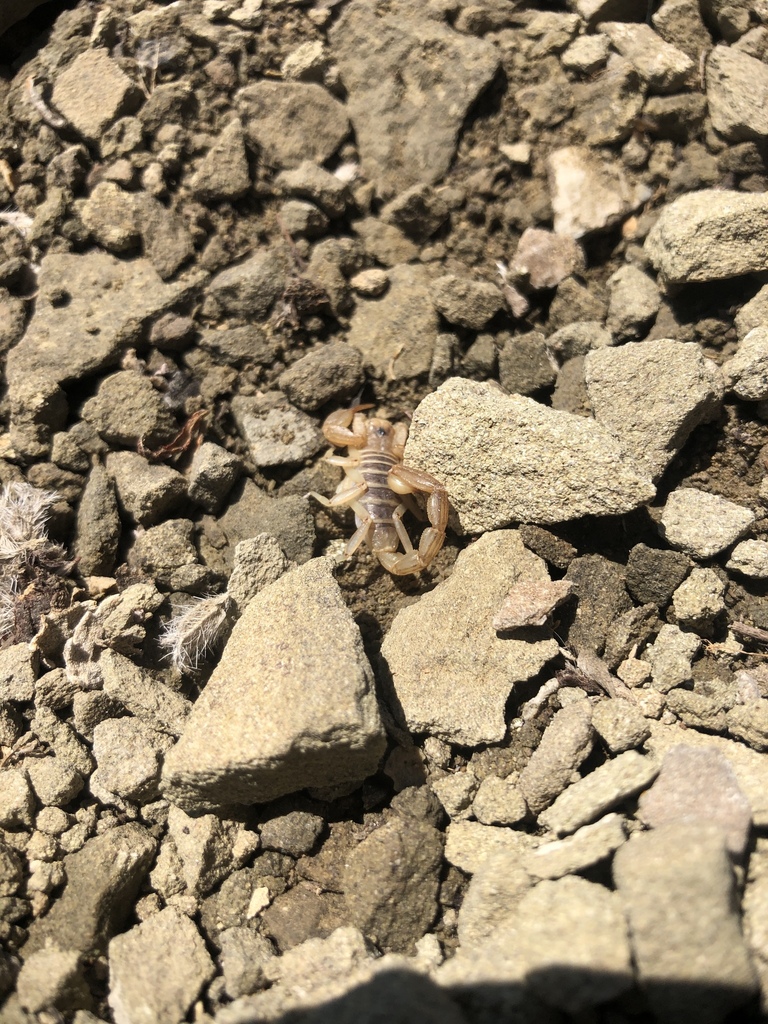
pixel 375 485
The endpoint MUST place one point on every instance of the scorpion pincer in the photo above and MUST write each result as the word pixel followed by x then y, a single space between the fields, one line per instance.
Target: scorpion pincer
pixel 378 488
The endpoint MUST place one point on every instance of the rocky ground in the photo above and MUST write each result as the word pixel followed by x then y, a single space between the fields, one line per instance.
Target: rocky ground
pixel 243 778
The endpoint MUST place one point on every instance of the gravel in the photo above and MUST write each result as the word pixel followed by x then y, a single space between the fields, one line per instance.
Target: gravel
pixel 244 775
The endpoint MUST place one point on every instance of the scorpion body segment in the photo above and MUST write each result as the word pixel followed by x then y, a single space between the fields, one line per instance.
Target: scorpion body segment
pixel 378 488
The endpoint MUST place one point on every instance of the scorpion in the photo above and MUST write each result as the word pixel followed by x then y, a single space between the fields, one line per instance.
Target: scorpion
pixel 378 488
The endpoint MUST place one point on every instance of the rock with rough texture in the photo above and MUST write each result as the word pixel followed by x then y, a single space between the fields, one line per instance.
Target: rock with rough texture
pixel 396 333
pixel 92 92
pixel 103 879
pixel 566 743
pixel 211 475
pixel 750 558
pixel 129 755
pixel 391 883
pixel 749 766
pixel 52 978
pixel 468 844
pixel 504 458
pixel 587 846
pixel 499 802
pixel 746 374
pixel 17 799
pixel 157 969
pixel 620 724
pixel 710 235
pixel 147 491
pixel 250 288
pixel 543 258
pixel 494 890
pixel 634 302
pixel 670 388
pixel 328 372
pixel 699 599
pixel 127 409
pixel 97 533
pixel 276 433
pixel 566 940
pixel 698 786
pixel 749 722
pixel 466 302
pixel 703 524
pixel 737 94
pixel 292 121
pixel 89 308
pixel 268 724
pixel 223 172
pixel 661 65
pixel 451 673
pixel 670 657
pixel 590 192
pixel 676 886
pixel 600 791
pixel 407 129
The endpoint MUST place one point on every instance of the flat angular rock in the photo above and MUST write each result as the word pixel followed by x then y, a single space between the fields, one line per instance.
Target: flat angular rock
pixel 670 388
pixel 533 464
pixel 589 192
pixel 92 91
pixel 703 524
pixel 103 879
pixel 663 66
pixel 268 723
pixel 147 490
pixel 750 558
pixel 737 94
pixel 407 129
pixel 129 755
pixel 277 433
pixel 710 235
pixel 451 673
pixel 587 846
pixel 747 373
pixel 89 308
pixel 600 791
pixel 698 786
pixel 396 333
pixel 157 969
pixel 223 172
pixel 466 302
pixel 677 888
pixel 292 121
pixel 749 766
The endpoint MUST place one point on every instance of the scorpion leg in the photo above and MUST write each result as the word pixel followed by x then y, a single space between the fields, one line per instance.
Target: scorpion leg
pixel 341 498
pixel 405 480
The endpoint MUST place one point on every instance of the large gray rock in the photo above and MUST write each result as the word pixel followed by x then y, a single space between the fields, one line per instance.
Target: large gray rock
pixel 677 887
pixel 505 458
pixel 737 94
pixel 710 235
pixel 670 388
pixel 291 703
pixel 157 969
pixel 410 81
pixel 103 879
pixel 451 673
pixel 89 309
